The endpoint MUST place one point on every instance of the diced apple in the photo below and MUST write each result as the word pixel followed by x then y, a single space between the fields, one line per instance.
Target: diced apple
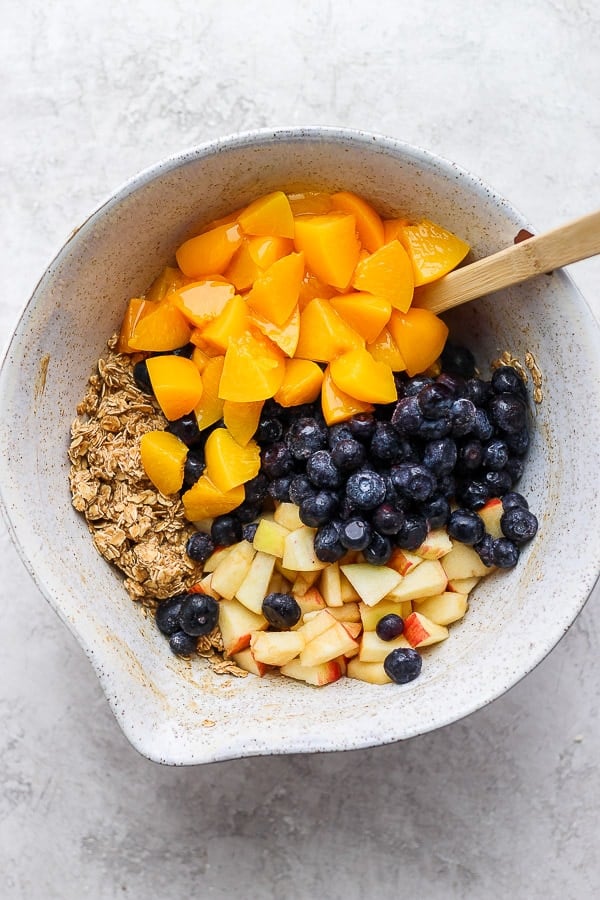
pixel 371 672
pixel 426 580
pixel 436 544
pixel 372 583
pixel 216 558
pixel 324 673
pixel 316 626
pixel 255 586
pixel 354 629
pixel 299 550
pixel 463 562
pixel 333 642
pixel 246 661
pixel 231 571
pixel 420 631
pixel 373 649
pixel 287 515
pixel 403 561
pixel 276 648
pixel 462 585
pixel 349 612
pixel 491 514
pixel 205 587
pixel 370 615
pixel 289 574
pixel 348 592
pixel 237 624
pixel 304 581
pixel 278 584
pixel 330 585
pixel 310 602
pixel 445 608
pixel 270 537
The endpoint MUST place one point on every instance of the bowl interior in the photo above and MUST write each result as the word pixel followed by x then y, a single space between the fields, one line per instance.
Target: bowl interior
pixel 181 713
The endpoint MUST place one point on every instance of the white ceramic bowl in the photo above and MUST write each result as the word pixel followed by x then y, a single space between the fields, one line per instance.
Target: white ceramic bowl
pixel 164 704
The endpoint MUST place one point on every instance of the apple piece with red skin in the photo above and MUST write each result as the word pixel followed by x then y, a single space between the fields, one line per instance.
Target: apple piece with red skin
pixel 463 562
pixel 444 608
pixel 319 675
pixel 354 629
pixel 331 585
pixel 420 631
pixel 331 643
pixel 372 583
pixel 436 544
pixel 491 514
pixel 246 661
pixel 276 648
pixel 316 626
pixel 204 586
pixel 255 586
pixel 371 672
pixel 426 580
pixel 232 570
pixel 310 602
pixel 403 561
pixel 237 625
pixel 349 612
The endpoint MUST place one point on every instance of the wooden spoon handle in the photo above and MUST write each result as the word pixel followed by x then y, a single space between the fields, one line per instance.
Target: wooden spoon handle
pixel 571 242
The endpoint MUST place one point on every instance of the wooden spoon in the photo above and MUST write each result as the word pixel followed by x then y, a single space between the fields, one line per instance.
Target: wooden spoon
pixel 571 242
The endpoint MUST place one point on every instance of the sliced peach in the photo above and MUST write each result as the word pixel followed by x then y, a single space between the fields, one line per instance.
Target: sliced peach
pixel 312 287
pixel 330 246
pixel 210 408
pixel 169 280
pixel 204 500
pixel 356 373
pixel 137 308
pixel 267 249
pixel 285 336
pixel 392 229
pixel 231 323
pixel 387 273
pixel 163 458
pixel 202 301
pixel 229 464
pixel 312 203
pixel 368 222
pixel 270 215
pixel 384 349
pixel 301 383
pixel 209 253
pixel 162 329
pixel 433 251
pixel 200 358
pixel 176 383
pixel 420 336
pixel 274 294
pixel 366 313
pixel 323 333
pixel 242 419
pixel 243 269
pixel 338 406
pixel 253 370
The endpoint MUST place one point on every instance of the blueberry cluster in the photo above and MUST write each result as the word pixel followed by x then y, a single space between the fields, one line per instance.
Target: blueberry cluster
pixel 186 617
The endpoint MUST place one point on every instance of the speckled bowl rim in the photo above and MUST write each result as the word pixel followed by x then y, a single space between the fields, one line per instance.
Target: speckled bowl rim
pixel 295 743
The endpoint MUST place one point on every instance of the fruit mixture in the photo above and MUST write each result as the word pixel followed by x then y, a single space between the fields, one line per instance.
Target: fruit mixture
pixel 345 475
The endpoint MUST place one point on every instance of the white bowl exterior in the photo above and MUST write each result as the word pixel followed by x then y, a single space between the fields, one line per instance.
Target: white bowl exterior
pixel 182 713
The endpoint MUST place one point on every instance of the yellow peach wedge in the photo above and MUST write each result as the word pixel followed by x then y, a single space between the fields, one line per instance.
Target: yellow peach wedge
pixel 163 458
pixel 176 383
pixel 356 373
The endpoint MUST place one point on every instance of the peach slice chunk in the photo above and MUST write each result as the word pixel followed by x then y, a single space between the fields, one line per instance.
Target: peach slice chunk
pixel 164 328
pixel 209 253
pixel 274 294
pixel 330 246
pixel 387 273
pixel 229 464
pixel 323 333
pixel 176 383
pixel 269 215
pixel 204 500
pixel 253 370
pixel 359 375
pixel 420 336
pixel 368 222
pixel 433 251
pixel 301 383
pixel 163 458
pixel 365 313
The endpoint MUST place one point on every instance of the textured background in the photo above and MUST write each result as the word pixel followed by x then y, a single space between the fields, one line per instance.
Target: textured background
pixel 505 802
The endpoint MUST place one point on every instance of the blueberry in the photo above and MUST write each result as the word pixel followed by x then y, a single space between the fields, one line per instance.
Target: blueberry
pixel 499 483
pixel 248 511
pixel 435 400
pixel 317 509
pixel 257 488
pixel 384 444
pixel 328 546
pixel 281 611
pixel 348 455
pixel 440 456
pixel 249 530
pixel 446 486
pixel 408 451
pixel 199 614
pixel 465 526
pixel 407 416
pixel 458 360
pixel 416 384
pixel 387 519
pixel 305 436
pixel 183 644
pixel 515 468
pixel 477 391
pixel 226 530
pixel 495 454
pixel 347 509
pixel 514 499
pixel 518 443
pixel 389 627
pixel 193 468
pixel 463 414
pixel 506 380
pixel 365 489
pixel 470 456
pixel 200 546
pixel 167 614
pixel 186 429
pixel 279 489
pixel 403 665
pixel 300 487
pixel 270 429
pixel 141 376
pixel 414 482
pixel 518 524
pixel 430 429
pixel 322 471
pixel 186 351
pixel 485 549
pixel 362 426
pixel 378 550
pixel 506 553
pixel 277 460
pixel 508 412
pixel 436 511
pixel 355 534
pixel 338 432
pixel 482 426
pixel 473 493
pixel 455 383
pixel 413 533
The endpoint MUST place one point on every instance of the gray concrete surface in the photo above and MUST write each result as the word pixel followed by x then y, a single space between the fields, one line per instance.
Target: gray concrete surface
pixel 504 803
